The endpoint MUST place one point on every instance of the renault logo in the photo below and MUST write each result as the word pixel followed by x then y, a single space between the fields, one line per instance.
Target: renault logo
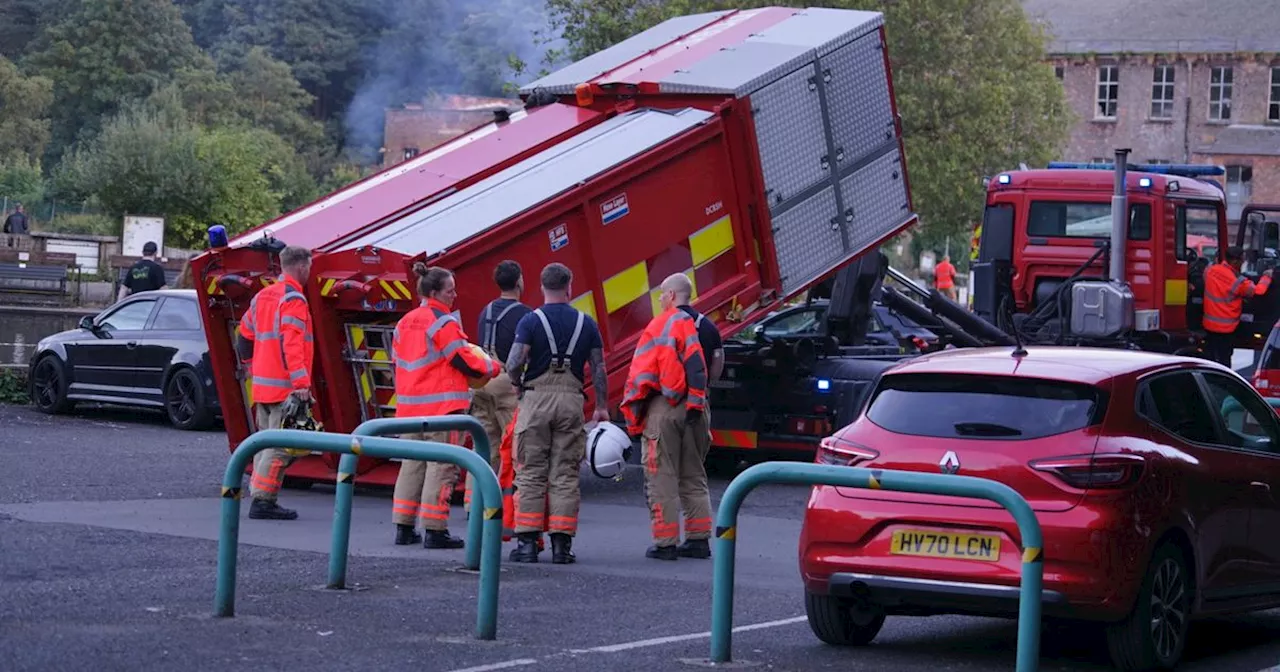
pixel 950 464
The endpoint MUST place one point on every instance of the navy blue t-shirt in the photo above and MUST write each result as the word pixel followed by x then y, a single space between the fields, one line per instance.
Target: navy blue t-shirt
pixel 504 330
pixel 563 318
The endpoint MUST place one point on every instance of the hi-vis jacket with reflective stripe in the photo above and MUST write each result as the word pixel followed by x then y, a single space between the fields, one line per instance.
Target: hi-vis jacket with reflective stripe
pixel 668 361
pixel 279 325
pixel 433 362
pixel 1223 295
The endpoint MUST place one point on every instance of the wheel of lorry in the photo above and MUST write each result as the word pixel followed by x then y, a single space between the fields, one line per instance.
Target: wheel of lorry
pixel 1154 633
pixel 842 621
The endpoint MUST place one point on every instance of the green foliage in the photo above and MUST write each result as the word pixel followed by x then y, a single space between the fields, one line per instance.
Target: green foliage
pixel 89 223
pixel 13 386
pixel 973 91
pixel 103 54
pixel 24 113
pixel 21 181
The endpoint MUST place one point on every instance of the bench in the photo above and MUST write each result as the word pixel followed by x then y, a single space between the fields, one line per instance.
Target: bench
pixel 33 280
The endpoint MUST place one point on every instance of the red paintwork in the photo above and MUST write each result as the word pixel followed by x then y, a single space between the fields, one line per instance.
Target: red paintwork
pixel 1149 263
pixel 1097 542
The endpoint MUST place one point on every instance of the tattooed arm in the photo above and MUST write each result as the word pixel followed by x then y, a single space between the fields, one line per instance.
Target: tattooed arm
pixel 518 357
pixel 600 382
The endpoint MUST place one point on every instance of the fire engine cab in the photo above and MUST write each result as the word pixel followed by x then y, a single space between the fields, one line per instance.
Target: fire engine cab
pixel 758 151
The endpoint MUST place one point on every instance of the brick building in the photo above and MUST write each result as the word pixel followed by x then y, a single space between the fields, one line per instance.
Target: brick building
pixel 1178 81
pixel 417 127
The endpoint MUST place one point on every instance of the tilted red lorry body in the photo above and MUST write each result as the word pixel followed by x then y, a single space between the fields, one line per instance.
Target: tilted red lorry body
pixel 757 151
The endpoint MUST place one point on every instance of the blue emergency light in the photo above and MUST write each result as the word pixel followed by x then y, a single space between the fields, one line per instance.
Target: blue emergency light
pixel 1179 169
pixel 217 236
pixel 824 385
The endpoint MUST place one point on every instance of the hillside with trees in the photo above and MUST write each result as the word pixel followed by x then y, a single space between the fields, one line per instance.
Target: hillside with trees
pixel 234 111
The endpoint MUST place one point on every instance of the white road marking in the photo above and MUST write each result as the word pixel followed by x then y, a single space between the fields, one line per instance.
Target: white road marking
pixel 627 646
pixel 500 666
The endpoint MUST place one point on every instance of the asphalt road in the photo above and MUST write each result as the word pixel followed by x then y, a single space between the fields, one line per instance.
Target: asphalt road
pixel 108 528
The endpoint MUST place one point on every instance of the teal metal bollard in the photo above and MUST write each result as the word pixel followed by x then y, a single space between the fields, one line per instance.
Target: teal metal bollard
pixel 345 488
pixel 486 483
pixel 903 481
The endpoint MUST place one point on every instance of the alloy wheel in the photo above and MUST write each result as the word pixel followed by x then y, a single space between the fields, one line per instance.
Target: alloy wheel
pixel 47 384
pixel 1168 608
pixel 181 398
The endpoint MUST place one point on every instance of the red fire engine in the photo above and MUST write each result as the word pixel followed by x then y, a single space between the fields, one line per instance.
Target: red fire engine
pixel 758 151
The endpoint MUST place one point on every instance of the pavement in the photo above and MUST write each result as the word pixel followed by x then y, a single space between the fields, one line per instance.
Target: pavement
pixel 108 538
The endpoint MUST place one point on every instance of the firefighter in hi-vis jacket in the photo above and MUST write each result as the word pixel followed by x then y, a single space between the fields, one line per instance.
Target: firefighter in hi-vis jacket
pixel 433 362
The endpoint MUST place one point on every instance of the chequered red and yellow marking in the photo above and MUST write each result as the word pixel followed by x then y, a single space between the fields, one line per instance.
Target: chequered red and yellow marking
pixel 631 296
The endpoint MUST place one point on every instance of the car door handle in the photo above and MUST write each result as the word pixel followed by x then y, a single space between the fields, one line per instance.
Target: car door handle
pixel 131 344
pixel 1259 484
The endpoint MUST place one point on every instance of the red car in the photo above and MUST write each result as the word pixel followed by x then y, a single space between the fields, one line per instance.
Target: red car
pixel 1156 480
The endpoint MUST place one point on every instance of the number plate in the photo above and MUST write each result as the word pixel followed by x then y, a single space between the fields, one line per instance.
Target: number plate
pixel 978 547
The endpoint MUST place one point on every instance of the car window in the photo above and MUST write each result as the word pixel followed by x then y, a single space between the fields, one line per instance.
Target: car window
pixel 800 322
pixel 1174 402
pixel 130 317
pixel 177 314
pixel 1245 420
pixel 963 406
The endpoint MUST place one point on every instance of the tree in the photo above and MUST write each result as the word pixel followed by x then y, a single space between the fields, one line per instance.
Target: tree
pixel 974 92
pixel 104 53
pixel 24 109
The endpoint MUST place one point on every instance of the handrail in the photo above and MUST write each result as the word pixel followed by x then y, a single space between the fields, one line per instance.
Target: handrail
pixel 876 479
pixel 345 488
pixel 379 447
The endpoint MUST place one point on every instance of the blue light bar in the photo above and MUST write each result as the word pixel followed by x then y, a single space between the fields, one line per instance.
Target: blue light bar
pixel 1180 169
pixel 1144 182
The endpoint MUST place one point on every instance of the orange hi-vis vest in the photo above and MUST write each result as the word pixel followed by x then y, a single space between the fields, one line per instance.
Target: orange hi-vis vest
pixel 668 361
pixel 279 325
pixel 433 361
pixel 1224 292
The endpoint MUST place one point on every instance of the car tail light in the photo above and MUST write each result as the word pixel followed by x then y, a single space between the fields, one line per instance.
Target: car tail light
pixel 837 451
pixel 1116 470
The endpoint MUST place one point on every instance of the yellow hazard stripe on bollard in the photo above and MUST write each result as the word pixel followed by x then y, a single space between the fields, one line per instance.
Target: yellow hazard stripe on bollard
pixel 729 533
pixel 356 447
pixel 873 480
pixel 491 513
pixel 1032 554
pixel 230 493
pixel 344 477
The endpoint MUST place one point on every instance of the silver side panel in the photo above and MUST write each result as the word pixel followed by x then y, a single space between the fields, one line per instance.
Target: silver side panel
pixel 537 179
pixel 790 134
pixel 808 240
pixel 858 96
pixel 875 199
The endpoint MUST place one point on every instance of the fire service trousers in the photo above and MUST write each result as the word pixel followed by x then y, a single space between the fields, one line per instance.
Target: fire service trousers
pixel 423 489
pixel 493 405
pixel 1219 347
pixel 268 465
pixel 674 453
pixel 549 446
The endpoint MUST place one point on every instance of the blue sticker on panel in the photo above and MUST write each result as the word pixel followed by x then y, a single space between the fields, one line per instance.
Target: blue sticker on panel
pixel 614 209
pixel 559 236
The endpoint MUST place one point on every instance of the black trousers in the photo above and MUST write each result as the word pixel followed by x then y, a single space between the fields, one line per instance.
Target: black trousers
pixel 1219 347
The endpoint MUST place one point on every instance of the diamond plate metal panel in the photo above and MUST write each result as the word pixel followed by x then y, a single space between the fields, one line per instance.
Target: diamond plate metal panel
pixel 790 135
pixel 821 28
pixel 807 239
pixel 875 198
pixel 858 98
pixel 564 80
pixel 542 176
pixel 738 70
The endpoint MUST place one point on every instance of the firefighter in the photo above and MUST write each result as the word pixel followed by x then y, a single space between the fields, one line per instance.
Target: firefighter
pixel 555 341
pixel 495 403
pixel 433 362
pixel 664 402
pixel 944 277
pixel 1224 292
pixel 275 343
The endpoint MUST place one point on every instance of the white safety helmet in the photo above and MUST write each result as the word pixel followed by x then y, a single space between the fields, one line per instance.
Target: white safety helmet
pixel 608 448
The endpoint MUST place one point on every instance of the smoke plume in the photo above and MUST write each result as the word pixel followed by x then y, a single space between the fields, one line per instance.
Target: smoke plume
pixel 443 47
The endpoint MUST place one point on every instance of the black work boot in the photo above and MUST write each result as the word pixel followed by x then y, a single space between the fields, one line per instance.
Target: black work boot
pixel 662 553
pixel 441 539
pixel 527 550
pixel 694 548
pixel 561 544
pixel 406 535
pixel 263 509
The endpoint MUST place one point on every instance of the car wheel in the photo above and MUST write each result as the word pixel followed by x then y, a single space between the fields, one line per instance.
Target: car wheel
pixel 184 401
pixel 1152 637
pixel 49 386
pixel 842 622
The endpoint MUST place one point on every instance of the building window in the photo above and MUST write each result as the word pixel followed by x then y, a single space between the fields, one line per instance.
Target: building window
pixel 1162 92
pixel 1108 91
pixel 1239 190
pixel 1273 108
pixel 1220 93
pixel 410 152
